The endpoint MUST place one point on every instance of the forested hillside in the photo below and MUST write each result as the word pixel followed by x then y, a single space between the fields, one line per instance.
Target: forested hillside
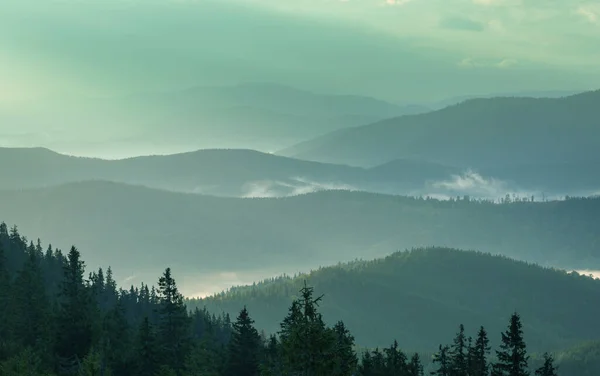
pixel 478 133
pixel 419 294
pixel 56 320
pixel 200 234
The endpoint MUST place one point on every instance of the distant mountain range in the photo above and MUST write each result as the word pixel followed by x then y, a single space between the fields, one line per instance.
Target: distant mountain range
pixel 477 133
pixel 420 298
pixel 258 116
pixel 238 173
pixel 140 228
pixel 248 173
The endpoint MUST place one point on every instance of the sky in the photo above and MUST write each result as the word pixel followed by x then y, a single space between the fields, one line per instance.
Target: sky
pixel 399 50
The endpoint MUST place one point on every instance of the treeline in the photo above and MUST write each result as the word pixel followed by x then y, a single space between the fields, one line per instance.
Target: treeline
pixel 55 321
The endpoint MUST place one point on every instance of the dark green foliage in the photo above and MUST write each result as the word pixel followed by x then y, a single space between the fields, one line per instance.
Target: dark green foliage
pixel 548 368
pixel 443 361
pixel 146 350
pixel 424 310
pixel 75 316
pixel 5 314
pixel 478 364
pixel 512 356
pixel 173 324
pixel 31 309
pixel 99 330
pixel 345 360
pixel 306 341
pixel 415 367
pixel 459 354
pixel 245 347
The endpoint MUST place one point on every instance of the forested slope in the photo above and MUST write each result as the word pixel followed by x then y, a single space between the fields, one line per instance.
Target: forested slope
pixel 58 321
pixel 419 294
pixel 141 227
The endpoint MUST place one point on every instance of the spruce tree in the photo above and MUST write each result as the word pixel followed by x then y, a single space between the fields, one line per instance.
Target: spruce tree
pixel 174 323
pixel 395 360
pixel 75 318
pixel 146 351
pixel 548 368
pixel 458 354
pixel 479 365
pixel 31 322
pixel 366 367
pixel 344 356
pixel 307 344
pixel 415 367
pixel 5 312
pixel 512 356
pixel 443 361
pixel 244 347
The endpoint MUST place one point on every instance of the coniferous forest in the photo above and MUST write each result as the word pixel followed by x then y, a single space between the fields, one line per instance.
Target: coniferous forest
pixel 57 319
pixel 299 188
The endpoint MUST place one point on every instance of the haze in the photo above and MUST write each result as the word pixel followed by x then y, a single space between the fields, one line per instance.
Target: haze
pixel 180 180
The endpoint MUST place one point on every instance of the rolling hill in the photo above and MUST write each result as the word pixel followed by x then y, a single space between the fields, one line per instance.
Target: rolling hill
pixel 478 133
pixel 420 297
pixel 237 173
pixel 137 228
pixel 248 173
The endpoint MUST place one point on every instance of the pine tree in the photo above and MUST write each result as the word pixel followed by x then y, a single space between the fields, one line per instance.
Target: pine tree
pixel 5 312
pixel 272 365
pixel 415 367
pixel 307 344
pixel 395 360
pixel 147 351
pixel 31 314
pixel 344 356
pixel 512 356
pixel 75 319
pixel 94 365
pixel 479 365
pixel 548 368
pixel 366 366
pixel 244 347
pixel 458 354
pixel 443 361
pixel 25 363
pixel 116 340
pixel 174 323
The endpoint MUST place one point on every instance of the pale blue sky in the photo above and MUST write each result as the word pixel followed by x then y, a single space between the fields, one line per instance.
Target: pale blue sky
pixel 405 50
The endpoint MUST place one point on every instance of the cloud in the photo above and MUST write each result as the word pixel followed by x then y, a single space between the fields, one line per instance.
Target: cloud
pixel 130 278
pixel 506 63
pixel 296 186
pixel 474 184
pixel 472 63
pixel 589 14
pixel 396 2
pixel 461 23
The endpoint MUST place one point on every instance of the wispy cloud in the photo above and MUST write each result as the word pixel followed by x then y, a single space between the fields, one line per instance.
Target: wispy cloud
pixel 474 184
pixel 296 186
pixel 461 23
pixel 588 13
pixel 472 63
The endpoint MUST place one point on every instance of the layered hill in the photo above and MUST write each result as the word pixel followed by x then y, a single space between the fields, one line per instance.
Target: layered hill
pixel 260 116
pixel 221 172
pixel 139 228
pixel 248 173
pixel 420 296
pixel 477 133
